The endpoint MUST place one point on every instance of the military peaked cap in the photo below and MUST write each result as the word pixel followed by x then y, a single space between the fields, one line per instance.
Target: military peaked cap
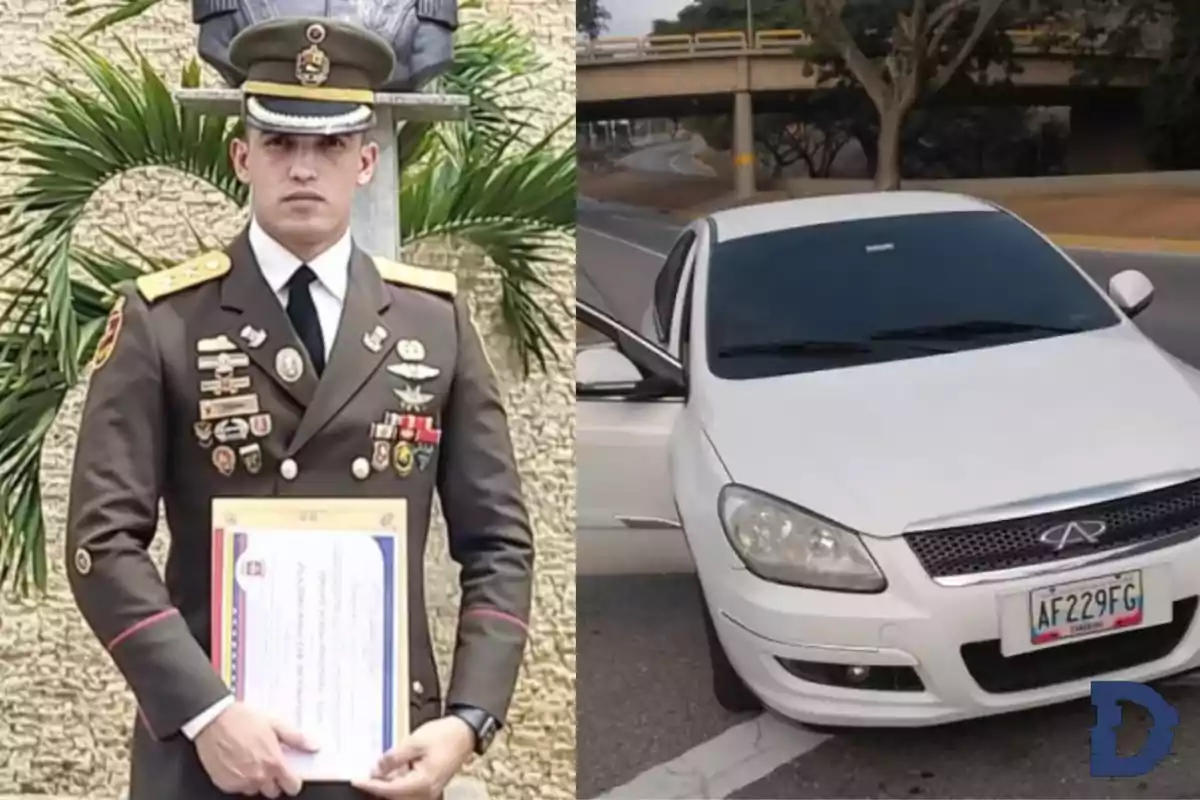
pixel 310 75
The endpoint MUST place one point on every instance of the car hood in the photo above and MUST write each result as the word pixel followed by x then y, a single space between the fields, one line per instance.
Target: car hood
pixel 959 438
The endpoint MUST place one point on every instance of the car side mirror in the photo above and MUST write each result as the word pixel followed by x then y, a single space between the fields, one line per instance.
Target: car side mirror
pixel 1132 291
pixel 604 365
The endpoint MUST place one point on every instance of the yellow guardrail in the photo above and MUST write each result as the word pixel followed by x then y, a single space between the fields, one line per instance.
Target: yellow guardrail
pixel 605 48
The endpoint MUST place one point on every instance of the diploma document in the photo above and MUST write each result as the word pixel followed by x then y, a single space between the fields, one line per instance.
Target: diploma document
pixel 310 622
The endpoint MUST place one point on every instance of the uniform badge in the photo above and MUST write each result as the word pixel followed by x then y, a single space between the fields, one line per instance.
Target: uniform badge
pixel 112 329
pixel 260 425
pixel 223 363
pixel 289 364
pixel 235 429
pixel 312 64
pixel 424 456
pixel 251 458
pixel 361 468
pixel 226 384
pixel 373 340
pixel 402 459
pixel 224 459
pixel 412 398
pixel 253 337
pixel 204 433
pixel 381 454
pixel 381 430
pixel 222 407
pixel 216 344
pixel 83 561
pixel 410 350
pixel 413 372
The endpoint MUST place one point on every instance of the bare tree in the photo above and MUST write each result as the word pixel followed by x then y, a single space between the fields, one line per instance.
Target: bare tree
pixel 915 66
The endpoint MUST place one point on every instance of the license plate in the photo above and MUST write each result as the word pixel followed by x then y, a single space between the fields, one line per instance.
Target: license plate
pixel 1111 603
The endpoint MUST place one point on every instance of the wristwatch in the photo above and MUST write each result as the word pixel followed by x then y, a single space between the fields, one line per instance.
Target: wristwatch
pixel 483 723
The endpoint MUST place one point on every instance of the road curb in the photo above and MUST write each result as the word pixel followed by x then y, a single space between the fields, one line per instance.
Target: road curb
pixel 1127 244
pixel 461 788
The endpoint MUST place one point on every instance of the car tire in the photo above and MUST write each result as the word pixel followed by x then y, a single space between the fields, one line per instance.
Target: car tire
pixel 730 690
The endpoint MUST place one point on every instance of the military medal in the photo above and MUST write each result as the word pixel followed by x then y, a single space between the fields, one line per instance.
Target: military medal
pixel 381 430
pixel 410 350
pixel 204 433
pixel 402 458
pixel 224 460
pixel 413 372
pixel 251 458
pixel 289 364
pixel 260 425
pixel 381 454
pixel 361 468
pixel 412 398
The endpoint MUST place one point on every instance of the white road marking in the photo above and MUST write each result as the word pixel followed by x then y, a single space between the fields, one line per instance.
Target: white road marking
pixel 719 767
pixel 618 239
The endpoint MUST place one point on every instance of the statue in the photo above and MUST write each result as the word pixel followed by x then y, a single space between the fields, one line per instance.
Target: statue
pixel 421 31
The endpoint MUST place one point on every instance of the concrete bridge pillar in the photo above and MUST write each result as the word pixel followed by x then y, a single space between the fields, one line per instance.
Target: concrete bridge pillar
pixel 744 159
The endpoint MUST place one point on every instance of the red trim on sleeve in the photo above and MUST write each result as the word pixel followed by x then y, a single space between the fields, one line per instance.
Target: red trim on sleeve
pixel 497 614
pixel 146 723
pixel 153 619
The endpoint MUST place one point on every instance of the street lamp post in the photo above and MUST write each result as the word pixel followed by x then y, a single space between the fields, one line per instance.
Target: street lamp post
pixel 750 24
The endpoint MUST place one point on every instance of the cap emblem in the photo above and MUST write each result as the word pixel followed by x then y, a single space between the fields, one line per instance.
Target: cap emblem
pixel 312 65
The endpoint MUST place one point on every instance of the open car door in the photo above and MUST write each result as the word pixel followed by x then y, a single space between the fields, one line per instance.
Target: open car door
pixel 628 394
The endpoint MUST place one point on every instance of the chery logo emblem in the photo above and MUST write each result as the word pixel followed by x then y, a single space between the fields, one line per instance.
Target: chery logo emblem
pixel 1085 531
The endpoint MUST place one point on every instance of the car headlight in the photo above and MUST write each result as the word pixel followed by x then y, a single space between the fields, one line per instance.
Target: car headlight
pixel 782 544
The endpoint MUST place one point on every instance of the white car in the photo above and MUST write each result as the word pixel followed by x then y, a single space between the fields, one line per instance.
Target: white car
pixel 926 468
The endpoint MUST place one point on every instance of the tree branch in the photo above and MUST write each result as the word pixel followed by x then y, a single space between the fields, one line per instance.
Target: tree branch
pixel 826 15
pixel 987 13
pixel 940 22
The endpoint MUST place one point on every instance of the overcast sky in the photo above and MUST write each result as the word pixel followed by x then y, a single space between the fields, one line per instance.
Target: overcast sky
pixel 633 17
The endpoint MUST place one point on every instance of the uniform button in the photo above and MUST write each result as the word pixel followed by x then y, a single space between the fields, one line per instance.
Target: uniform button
pixel 418 688
pixel 289 470
pixel 361 468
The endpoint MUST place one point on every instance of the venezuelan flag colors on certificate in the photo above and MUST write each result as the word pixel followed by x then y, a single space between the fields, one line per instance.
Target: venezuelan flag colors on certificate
pixel 310 626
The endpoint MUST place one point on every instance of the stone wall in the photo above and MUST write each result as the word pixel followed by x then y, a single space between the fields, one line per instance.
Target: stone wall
pixel 64 710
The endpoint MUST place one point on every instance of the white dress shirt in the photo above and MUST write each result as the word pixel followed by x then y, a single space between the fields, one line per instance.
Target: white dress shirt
pixel 332 269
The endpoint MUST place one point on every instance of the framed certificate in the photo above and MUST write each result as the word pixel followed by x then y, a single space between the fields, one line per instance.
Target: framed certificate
pixel 310 622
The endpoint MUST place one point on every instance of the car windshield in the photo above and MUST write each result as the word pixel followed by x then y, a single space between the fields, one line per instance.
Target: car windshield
pixel 848 293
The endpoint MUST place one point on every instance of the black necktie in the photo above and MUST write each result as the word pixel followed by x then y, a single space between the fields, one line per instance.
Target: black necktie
pixel 303 314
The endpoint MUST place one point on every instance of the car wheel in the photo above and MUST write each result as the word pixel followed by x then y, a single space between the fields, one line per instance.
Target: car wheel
pixel 728 687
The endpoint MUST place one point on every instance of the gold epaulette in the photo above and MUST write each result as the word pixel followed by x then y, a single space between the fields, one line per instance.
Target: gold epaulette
pixel 431 280
pixel 193 272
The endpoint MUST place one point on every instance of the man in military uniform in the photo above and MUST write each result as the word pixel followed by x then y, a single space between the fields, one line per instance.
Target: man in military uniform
pixel 292 364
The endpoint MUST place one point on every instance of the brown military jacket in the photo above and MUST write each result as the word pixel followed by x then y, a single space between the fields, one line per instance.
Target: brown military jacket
pixel 152 430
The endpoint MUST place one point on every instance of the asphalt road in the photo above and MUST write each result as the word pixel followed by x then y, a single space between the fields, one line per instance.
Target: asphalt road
pixel 643 675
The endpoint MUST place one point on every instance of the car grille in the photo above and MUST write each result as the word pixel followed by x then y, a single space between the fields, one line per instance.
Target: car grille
pixel 1010 543
pixel 1091 658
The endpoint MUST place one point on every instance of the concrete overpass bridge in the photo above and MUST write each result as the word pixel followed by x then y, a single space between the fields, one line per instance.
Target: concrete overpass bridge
pixel 720 72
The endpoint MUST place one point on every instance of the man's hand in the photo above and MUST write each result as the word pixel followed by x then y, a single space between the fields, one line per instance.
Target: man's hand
pixel 420 766
pixel 240 752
